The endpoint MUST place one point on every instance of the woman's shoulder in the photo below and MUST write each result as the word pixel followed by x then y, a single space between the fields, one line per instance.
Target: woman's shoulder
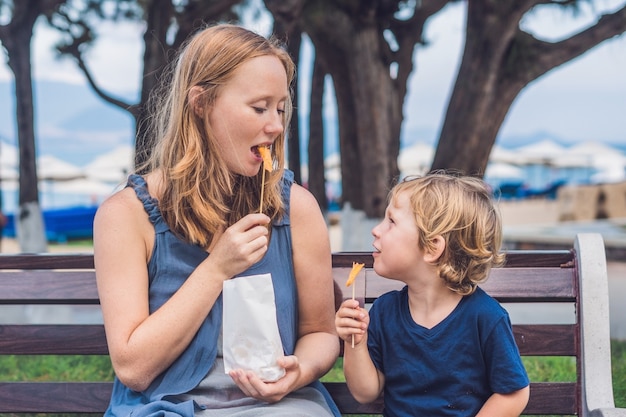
pixel 119 205
pixel 302 201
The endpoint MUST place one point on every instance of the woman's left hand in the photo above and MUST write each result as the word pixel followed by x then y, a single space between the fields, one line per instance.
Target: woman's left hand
pixel 270 392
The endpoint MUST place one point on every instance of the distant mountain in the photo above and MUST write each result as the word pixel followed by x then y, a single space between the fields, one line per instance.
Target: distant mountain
pixel 75 125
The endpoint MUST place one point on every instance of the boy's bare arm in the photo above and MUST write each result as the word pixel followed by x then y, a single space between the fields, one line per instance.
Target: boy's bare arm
pixel 364 380
pixel 506 405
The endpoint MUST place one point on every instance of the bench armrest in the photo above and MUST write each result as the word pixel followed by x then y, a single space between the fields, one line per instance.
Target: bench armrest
pixel 608 412
pixel 595 344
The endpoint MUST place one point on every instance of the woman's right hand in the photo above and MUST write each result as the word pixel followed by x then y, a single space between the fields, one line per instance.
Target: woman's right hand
pixel 241 245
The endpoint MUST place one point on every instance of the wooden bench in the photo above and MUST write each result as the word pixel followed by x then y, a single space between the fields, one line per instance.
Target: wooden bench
pixel 575 278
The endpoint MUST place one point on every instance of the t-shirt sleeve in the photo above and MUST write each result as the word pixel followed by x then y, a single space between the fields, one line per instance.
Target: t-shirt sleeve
pixel 505 368
pixel 374 334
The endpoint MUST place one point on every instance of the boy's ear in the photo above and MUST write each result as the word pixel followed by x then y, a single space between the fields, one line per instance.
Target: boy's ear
pixel 439 244
pixel 195 100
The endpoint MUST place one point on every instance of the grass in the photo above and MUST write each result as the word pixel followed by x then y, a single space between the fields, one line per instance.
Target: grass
pixel 98 368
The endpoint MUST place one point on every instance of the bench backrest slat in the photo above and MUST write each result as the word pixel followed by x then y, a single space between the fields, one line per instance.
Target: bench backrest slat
pixel 519 285
pixel 89 339
pixel 48 287
pixel 517 258
pixel 553 398
pixel 546 339
pixel 48 261
pixel 53 339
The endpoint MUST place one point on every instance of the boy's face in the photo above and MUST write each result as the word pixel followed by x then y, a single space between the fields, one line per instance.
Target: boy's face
pixel 396 252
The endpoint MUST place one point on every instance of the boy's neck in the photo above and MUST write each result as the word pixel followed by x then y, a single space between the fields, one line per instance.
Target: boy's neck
pixel 430 305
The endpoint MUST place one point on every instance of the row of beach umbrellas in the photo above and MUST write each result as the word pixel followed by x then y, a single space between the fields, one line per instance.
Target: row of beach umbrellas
pixel 608 163
pixel 100 177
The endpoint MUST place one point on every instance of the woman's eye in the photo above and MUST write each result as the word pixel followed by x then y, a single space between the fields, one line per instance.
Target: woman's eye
pixel 259 110
pixel 281 111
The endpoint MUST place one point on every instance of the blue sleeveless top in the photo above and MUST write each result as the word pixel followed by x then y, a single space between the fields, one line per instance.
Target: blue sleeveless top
pixel 172 261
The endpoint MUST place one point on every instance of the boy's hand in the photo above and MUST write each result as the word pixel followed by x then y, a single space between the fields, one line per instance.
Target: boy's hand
pixel 351 319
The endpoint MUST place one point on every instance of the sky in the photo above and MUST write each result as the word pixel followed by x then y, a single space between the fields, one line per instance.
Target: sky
pixel 579 101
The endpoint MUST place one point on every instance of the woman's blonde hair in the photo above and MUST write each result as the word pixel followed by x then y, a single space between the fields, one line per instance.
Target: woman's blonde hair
pixel 461 210
pixel 200 195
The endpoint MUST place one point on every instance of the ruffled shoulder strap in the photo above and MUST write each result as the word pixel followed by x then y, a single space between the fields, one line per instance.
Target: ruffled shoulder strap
pixel 150 204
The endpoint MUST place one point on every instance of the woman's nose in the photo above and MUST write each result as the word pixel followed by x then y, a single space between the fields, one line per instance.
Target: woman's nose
pixel 275 124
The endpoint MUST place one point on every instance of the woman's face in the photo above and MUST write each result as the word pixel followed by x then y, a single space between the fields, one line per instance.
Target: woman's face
pixel 249 112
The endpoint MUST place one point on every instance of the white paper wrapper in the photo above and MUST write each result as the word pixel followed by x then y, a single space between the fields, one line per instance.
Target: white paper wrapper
pixel 251 340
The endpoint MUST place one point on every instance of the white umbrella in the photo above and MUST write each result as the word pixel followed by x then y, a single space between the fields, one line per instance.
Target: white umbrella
pixel 50 168
pixel 500 154
pixel 416 159
pixel 85 186
pixel 8 155
pixel 543 152
pixel 8 173
pixel 501 170
pixel 113 166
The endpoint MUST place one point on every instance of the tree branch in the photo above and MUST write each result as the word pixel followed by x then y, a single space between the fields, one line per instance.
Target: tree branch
pixel 550 55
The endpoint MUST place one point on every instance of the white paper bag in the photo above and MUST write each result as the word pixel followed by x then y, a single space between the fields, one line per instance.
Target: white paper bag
pixel 251 340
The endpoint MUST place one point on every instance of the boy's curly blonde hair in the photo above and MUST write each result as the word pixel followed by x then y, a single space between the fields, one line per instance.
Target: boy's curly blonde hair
pixel 462 211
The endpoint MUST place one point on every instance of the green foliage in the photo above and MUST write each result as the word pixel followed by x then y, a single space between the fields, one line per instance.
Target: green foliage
pixel 550 368
pixel 55 368
pixel 618 362
pixel 336 373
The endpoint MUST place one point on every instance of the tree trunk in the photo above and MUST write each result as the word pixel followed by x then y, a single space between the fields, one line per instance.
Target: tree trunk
pixel 368 51
pixel 365 94
pixel 291 36
pixel 158 15
pixel 16 38
pixel 499 60
pixel 317 176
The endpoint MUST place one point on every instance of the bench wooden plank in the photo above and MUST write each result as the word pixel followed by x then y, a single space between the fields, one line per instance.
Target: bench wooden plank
pixel 546 339
pixel 47 261
pixel 48 287
pixel 517 258
pixel 90 339
pixel 53 339
pixel 55 397
pixel 527 285
pixel 93 397
pixel 552 398
pixel 531 284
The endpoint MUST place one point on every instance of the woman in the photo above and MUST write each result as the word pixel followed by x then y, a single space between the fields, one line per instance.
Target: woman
pixel 165 244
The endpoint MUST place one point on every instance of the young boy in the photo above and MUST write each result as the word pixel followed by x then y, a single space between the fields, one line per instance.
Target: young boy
pixel 440 346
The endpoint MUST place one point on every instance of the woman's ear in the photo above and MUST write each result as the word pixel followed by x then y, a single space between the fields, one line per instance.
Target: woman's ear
pixel 195 100
pixel 439 245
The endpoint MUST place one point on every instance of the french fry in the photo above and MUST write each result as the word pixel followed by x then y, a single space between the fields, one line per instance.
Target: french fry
pixel 267 166
pixel 267 158
pixel 356 268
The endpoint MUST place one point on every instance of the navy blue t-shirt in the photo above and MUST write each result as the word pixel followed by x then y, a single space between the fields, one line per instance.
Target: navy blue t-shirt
pixel 451 369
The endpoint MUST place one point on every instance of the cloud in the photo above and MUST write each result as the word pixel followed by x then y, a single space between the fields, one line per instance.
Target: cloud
pixel 115 58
